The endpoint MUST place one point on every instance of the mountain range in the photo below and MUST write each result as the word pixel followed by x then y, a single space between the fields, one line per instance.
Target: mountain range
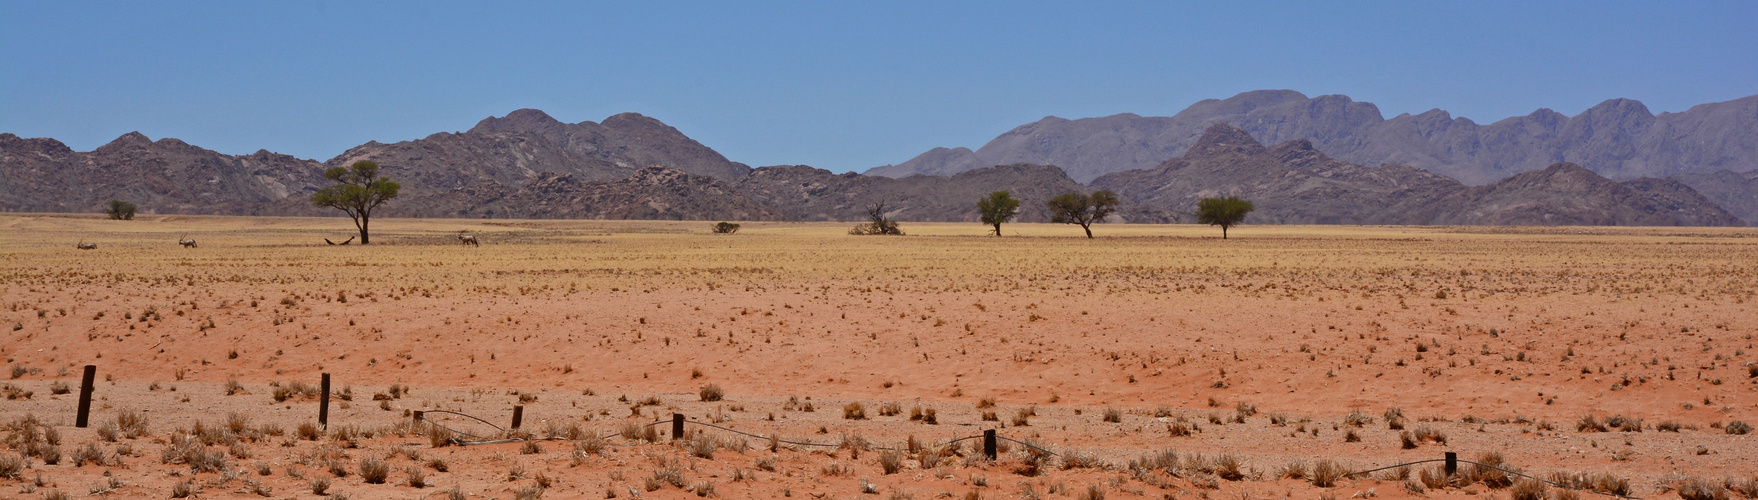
pixel 529 165
pixel 1294 183
pixel 1618 138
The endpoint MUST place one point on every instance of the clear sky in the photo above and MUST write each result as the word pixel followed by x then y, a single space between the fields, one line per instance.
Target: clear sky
pixel 837 85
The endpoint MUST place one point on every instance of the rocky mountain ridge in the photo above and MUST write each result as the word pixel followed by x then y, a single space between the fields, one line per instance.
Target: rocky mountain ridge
pixel 1295 183
pixel 528 165
pixel 1618 138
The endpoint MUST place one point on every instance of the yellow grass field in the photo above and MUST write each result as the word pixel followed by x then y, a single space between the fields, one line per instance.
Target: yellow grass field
pixel 1278 350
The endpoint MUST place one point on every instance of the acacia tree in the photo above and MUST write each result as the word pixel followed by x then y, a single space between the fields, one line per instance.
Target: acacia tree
pixel 997 208
pixel 1076 208
pixel 1225 212
pixel 120 210
pixel 877 223
pixel 360 191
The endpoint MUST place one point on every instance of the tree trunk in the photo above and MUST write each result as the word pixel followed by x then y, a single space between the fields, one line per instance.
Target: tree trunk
pixel 1089 230
pixel 997 229
pixel 1223 232
pixel 363 238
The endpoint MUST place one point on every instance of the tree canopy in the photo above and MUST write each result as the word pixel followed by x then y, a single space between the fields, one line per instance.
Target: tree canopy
pixel 120 210
pixel 997 208
pixel 1225 212
pixel 1076 208
pixel 360 190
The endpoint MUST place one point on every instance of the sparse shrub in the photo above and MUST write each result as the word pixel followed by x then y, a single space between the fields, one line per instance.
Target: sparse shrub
pixel 1430 434
pixel 1325 473
pixel 890 409
pixel 726 228
pixel 374 471
pixel 891 461
pixel 701 445
pixel 1694 488
pixel 1487 473
pixel 711 392
pixel 11 466
pixel 416 478
pixel 89 453
pixel 854 411
pixel 59 387
pixel 1589 423
pixel 530 448
pixel 1529 489
pixel 1113 415
pixel 1357 419
pixel 1737 427
pixel 308 431
pixel 437 437
pixel 320 485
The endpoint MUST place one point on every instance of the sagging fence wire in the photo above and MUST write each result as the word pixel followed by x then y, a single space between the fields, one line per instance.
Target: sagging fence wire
pixel 989 436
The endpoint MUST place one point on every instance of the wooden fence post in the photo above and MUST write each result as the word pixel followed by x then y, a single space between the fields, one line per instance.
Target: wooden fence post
pixel 1452 463
pixel 518 416
pixel 85 396
pixel 677 426
pixel 989 443
pixel 323 404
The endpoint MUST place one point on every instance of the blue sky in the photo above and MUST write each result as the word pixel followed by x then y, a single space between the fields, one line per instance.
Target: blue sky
pixel 837 85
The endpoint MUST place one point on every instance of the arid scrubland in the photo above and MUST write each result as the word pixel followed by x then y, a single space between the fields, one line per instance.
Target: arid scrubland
pixel 1154 360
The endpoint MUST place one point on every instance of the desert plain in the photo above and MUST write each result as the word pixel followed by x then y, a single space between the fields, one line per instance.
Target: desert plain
pixel 1154 361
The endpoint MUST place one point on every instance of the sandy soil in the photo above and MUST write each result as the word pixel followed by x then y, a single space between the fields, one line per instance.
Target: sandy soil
pixel 1280 348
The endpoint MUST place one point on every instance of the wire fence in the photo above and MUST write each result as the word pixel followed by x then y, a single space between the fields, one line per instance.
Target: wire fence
pixel 990 437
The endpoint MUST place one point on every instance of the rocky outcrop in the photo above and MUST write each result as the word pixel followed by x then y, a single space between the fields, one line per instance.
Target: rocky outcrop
pixel 652 193
pixel 628 140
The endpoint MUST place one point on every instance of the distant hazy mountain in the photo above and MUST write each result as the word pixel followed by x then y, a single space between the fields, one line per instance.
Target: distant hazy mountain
pixel 1618 138
pixel 1293 183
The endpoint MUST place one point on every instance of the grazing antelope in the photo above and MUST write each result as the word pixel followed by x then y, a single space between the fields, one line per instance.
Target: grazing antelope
pixel 468 239
pixel 187 242
pixel 86 246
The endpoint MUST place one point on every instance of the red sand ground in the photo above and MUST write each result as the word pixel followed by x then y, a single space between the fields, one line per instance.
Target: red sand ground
pixel 1529 338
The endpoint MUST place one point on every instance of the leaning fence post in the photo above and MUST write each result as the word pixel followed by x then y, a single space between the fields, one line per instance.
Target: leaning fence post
pixel 85 396
pixel 1452 462
pixel 677 426
pixel 989 443
pixel 518 416
pixel 418 415
pixel 323 403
